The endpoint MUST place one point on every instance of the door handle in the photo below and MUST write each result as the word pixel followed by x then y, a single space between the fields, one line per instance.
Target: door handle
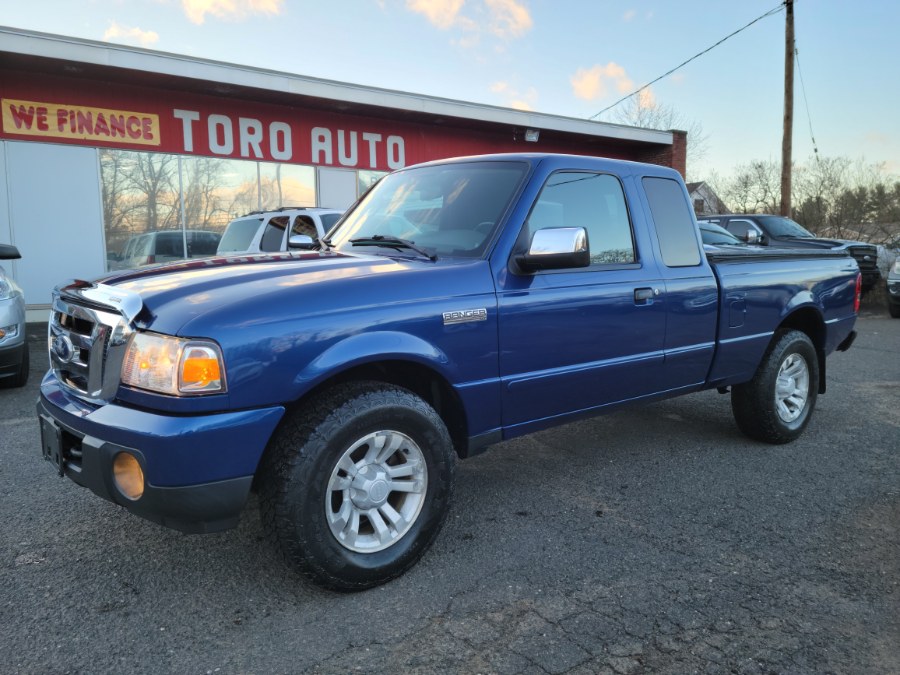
pixel 642 295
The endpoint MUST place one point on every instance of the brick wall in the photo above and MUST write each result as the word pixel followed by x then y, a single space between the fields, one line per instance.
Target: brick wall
pixel 674 155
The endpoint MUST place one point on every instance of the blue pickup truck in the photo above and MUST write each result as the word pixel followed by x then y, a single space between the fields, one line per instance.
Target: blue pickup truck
pixel 457 304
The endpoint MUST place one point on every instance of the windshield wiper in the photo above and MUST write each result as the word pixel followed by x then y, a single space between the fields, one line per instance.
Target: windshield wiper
pixel 392 242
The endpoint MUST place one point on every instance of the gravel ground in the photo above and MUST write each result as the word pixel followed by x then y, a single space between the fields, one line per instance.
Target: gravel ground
pixel 656 539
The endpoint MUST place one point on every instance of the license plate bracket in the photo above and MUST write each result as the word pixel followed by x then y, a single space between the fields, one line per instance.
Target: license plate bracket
pixel 51 444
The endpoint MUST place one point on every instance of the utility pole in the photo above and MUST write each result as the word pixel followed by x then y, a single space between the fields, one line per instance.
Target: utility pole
pixel 787 137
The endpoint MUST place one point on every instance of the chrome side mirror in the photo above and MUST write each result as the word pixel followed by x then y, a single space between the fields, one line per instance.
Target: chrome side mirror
pixel 301 241
pixel 556 248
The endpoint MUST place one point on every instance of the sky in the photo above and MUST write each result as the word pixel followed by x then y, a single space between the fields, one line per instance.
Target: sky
pixel 564 57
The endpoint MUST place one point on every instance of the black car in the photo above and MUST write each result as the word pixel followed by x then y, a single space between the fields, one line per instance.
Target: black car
pixel 781 232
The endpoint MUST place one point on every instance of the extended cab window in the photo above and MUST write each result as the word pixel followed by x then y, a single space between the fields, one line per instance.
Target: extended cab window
pixel 674 222
pixel 594 201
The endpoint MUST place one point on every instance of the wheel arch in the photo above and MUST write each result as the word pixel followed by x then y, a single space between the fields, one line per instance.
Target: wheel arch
pixel 423 380
pixel 809 320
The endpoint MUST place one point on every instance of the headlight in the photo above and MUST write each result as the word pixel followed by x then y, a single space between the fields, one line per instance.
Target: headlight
pixel 175 366
pixel 5 289
pixel 896 268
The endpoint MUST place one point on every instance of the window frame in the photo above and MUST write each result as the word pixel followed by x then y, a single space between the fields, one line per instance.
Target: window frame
pixel 523 242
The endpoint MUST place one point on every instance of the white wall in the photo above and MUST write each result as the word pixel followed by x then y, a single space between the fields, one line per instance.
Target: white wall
pixel 55 215
pixel 336 188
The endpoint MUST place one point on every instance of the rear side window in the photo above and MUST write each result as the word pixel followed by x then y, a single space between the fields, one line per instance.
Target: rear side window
pixel 274 234
pixel 674 222
pixel 594 201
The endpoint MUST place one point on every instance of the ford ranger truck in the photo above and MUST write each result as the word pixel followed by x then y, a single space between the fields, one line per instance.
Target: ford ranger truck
pixel 458 304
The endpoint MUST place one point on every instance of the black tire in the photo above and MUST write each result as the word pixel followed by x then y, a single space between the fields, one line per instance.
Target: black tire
pixel 755 404
pixel 894 310
pixel 301 500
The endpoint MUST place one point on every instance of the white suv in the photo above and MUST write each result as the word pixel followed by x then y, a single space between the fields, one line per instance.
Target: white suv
pixel 270 231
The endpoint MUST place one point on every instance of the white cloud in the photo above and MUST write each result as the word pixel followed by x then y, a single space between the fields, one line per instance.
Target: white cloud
pixel 509 19
pixel 505 19
pixel 119 33
pixel 443 14
pixel 514 98
pixel 629 15
pixel 591 84
pixel 229 10
pixel 646 98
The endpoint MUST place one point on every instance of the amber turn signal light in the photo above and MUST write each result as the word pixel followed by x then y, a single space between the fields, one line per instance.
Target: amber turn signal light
pixel 128 476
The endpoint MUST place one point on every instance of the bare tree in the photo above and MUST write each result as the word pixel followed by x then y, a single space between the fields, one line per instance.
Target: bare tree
pixel 645 112
pixel 155 178
pixel 202 198
pixel 754 188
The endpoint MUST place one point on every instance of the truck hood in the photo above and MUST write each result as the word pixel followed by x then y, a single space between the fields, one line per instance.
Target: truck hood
pixel 178 294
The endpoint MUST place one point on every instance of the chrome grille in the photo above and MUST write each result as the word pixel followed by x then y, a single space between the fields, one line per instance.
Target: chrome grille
pixel 866 257
pixel 87 338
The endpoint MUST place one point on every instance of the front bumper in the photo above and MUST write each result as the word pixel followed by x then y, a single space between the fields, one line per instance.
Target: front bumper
pixel 11 359
pixel 197 469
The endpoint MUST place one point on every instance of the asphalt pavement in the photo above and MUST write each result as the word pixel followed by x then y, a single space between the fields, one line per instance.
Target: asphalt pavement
pixel 656 539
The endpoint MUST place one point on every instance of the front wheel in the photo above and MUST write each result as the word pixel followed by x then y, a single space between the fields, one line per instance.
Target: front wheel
pixel 775 406
pixel 356 485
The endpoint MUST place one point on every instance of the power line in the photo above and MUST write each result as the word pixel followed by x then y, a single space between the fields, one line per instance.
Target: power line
pixel 772 11
pixel 806 102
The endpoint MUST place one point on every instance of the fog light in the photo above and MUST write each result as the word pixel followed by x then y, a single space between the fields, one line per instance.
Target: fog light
pixel 128 475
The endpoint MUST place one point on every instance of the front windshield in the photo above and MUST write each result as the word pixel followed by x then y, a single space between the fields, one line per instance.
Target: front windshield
pixel 450 209
pixel 780 227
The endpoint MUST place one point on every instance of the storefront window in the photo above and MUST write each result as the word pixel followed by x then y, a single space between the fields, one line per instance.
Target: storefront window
pixel 144 193
pixel 140 195
pixel 217 190
pixel 286 185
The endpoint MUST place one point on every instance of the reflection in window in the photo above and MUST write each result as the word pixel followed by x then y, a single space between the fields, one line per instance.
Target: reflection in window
pixel 145 193
pixel 593 201
pixel 140 194
pixel 286 185
pixel 217 190
pixel 366 179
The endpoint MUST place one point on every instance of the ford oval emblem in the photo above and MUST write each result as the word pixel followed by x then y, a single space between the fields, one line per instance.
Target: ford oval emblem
pixel 63 348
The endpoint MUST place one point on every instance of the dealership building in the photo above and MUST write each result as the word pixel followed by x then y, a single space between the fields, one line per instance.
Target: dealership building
pixel 100 143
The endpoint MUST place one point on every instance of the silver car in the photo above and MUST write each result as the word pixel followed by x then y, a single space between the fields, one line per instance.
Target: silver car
pixel 13 346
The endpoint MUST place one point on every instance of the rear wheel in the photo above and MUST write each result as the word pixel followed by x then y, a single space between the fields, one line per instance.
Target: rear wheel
pixel 894 309
pixel 356 485
pixel 775 406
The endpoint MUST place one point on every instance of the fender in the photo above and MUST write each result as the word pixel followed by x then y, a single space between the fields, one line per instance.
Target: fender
pixel 802 300
pixel 371 347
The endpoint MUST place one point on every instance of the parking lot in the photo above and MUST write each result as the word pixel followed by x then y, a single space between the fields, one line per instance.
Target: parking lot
pixel 656 539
